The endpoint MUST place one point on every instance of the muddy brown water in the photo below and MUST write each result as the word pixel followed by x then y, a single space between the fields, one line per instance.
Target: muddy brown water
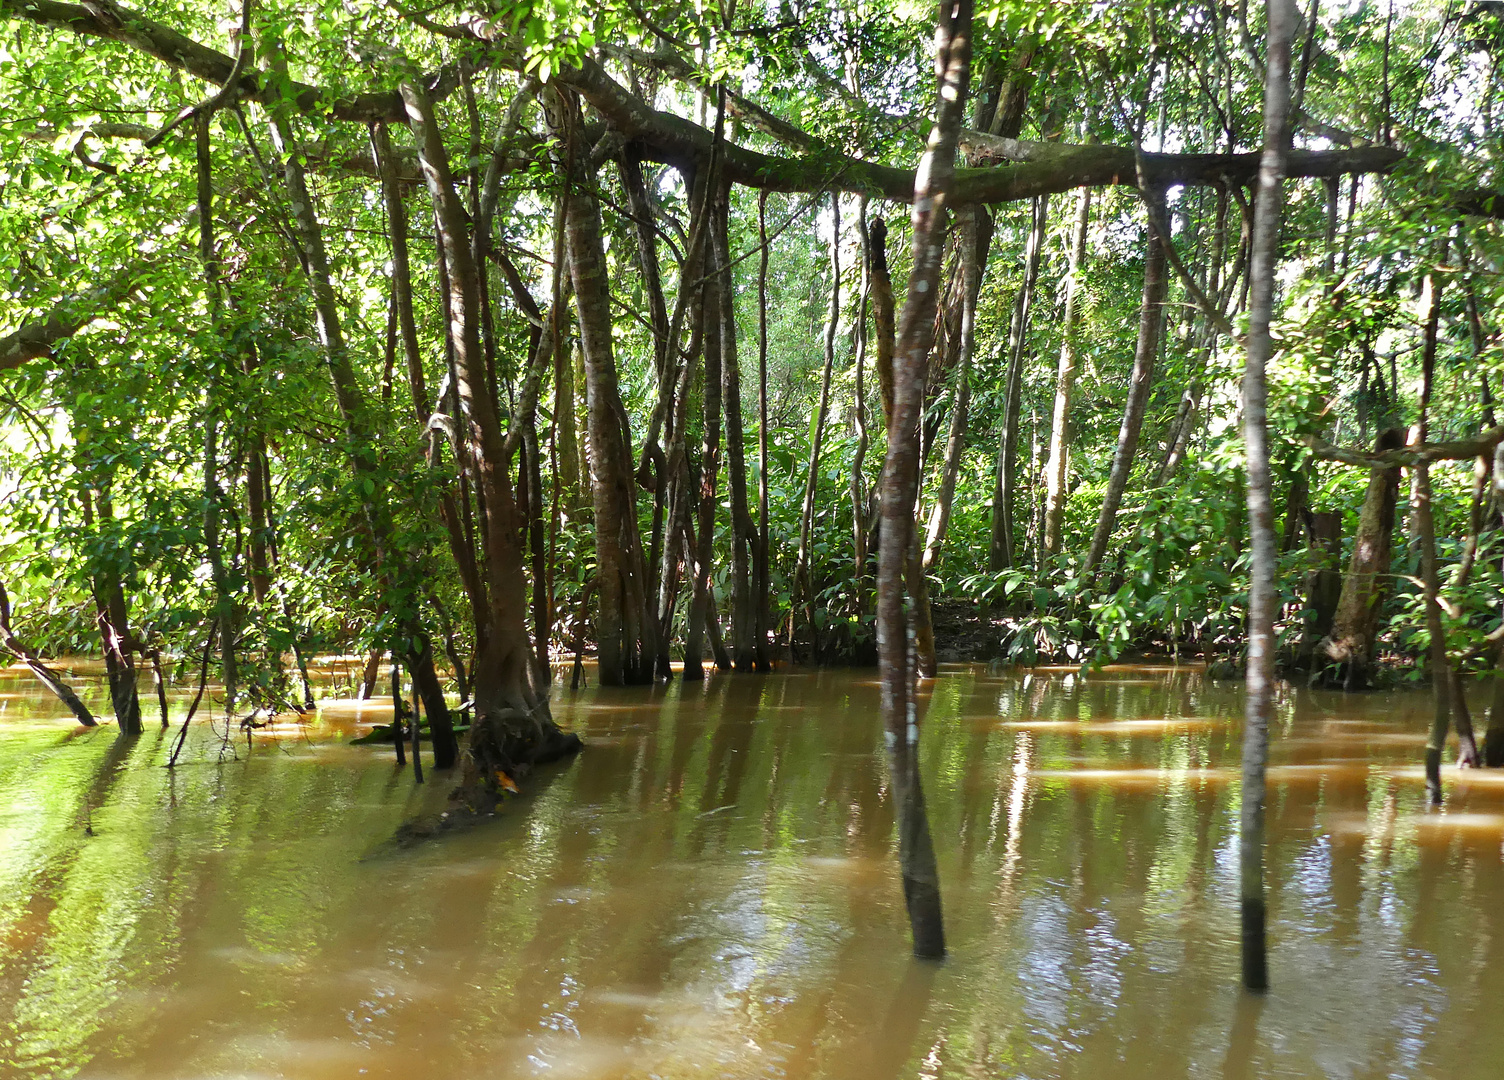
pixel 710 890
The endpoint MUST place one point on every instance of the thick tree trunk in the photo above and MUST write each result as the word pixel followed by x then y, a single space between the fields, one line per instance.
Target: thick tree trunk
pixel 625 627
pixel 511 728
pixel 1350 645
pixel 707 498
pixel 1002 551
pixel 1493 743
pixel 1263 597
pixel 1057 468
pixel 1139 388
pixel 900 480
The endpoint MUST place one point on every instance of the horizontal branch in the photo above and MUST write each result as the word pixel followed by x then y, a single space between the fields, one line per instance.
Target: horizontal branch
pixel 108 19
pixel 1048 169
pixel 1461 450
pixel 39 338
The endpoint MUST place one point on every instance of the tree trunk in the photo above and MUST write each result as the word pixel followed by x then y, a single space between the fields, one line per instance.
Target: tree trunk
pixel 1493 743
pixel 707 498
pixel 803 575
pixel 625 627
pixel 1424 518
pixel 1350 645
pixel 1057 468
pixel 883 330
pixel 511 728
pixel 1263 597
pixel 859 421
pixel 762 579
pixel 900 480
pixel 743 532
pixel 975 239
pixel 1139 389
pixel 1002 551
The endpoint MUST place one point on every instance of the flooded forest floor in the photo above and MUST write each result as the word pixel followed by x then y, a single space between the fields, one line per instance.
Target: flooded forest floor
pixel 710 889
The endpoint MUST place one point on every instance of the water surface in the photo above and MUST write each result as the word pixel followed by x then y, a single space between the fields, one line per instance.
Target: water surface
pixel 710 890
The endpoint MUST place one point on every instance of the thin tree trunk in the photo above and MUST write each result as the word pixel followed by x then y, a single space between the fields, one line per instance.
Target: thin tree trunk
pixel 1057 468
pixel 1139 388
pixel 882 312
pixel 803 575
pixel 1263 596
pixel 1423 516
pixel 743 531
pixel 900 480
pixel 975 239
pixel 224 602
pixel 1002 551
pixel 763 580
pixel 859 419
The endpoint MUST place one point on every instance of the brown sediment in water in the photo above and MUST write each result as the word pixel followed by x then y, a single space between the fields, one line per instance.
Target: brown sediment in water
pixel 710 890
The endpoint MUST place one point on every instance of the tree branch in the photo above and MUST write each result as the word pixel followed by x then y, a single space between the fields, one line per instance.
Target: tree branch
pixel 1411 455
pixel 38 339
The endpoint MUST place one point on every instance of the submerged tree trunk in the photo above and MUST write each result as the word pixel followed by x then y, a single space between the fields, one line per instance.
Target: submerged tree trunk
pixel 1263 597
pixel 1140 386
pixel 707 498
pixel 48 678
pixel 512 728
pixel 224 602
pixel 1057 468
pixel 900 480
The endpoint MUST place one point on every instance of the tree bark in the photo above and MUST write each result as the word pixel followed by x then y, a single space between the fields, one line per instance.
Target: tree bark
pixel 1139 388
pixel 1350 645
pixel 900 478
pixel 743 531
pixel 763 581
pixel 975 240
pixel 707 498
pixel 625 627
pixel 1263 598
pixel 1057 468
pixel 1001 551
pixel 803 574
